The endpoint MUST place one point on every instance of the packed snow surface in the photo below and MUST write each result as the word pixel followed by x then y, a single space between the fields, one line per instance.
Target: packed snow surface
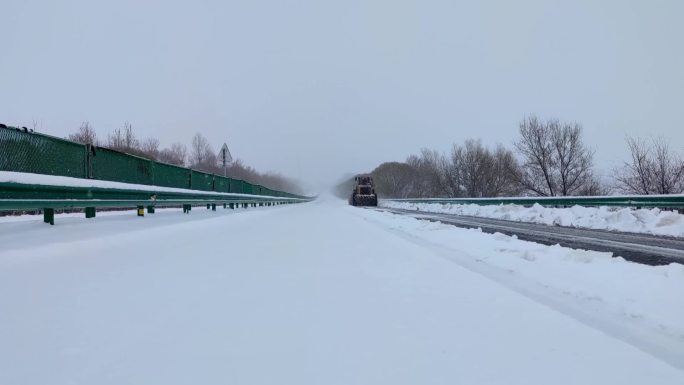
pixel 324 293
pixel 649 221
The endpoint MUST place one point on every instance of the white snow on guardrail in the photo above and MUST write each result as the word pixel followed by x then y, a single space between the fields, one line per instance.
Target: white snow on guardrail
pixel 648 221
pixel 65 181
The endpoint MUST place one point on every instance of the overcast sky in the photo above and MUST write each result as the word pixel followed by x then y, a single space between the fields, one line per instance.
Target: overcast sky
pixel 317 89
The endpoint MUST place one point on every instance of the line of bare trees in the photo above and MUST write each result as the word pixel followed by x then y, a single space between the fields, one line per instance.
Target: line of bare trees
pixel 653 169
pixel 201 155
pixel 549 158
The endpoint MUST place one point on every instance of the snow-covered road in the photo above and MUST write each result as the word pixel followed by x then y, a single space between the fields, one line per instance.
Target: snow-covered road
pixel 322 293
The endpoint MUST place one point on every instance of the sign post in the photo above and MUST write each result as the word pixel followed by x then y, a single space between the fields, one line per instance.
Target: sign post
pixel 226 158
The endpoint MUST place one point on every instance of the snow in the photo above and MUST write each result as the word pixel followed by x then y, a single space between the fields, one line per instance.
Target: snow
pixel 53 180
pixel 323 293
pixel 649 221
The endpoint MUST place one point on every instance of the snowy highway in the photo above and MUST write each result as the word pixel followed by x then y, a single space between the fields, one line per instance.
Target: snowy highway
pixel 323 293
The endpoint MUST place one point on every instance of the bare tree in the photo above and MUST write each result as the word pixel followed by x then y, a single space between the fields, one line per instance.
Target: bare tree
pixel 175 155
pixel 595 187
pixel 394 180
pixel 131 143
pixel 635 176
pixel 472 170
pixel 479 172
pixel 668 171
pixel 573 160
pixel 653 169
pixel 535 147
pixel 555 160
pixel 199 150
pixel 211 163
pixel 431 173
pixel 471 162
pixel 150 148
pixel 115 140
pixel 504 174
pixel 124 140
pixel 86 134
pixel 454 173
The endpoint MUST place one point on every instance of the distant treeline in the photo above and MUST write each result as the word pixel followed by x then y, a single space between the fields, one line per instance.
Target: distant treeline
pixel 200 156
pixel 549 158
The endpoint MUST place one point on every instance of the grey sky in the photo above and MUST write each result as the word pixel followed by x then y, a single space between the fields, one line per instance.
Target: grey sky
pixel 320 88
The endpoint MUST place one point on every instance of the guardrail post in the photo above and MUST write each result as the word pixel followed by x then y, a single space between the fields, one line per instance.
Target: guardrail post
pixel 150 209
pixel 90 212
pixel 49 216
pixel 90 151
pixel 141 211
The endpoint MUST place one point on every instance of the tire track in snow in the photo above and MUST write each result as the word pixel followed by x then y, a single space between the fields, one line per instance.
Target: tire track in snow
pixel 660 345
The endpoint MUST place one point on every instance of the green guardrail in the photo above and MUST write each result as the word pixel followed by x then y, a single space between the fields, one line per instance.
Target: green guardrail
pixel 636 201
pixel 27 152
pixel 47 198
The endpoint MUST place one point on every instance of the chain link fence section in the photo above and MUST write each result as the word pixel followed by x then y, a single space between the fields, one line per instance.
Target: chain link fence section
pixel 23 151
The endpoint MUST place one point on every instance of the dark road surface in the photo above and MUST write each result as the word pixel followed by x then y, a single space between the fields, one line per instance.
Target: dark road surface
pixel 641 248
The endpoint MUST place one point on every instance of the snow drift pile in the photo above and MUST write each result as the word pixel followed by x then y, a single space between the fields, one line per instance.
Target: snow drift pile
pixel 649 221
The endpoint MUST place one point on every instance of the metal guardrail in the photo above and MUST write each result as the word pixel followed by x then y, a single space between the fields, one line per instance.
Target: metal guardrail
pixel 636 201
pixel 28 152
pixel 47 198
pixel 163 185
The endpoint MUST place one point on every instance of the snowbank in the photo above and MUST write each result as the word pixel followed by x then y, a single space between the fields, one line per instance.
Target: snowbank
pixel 650 221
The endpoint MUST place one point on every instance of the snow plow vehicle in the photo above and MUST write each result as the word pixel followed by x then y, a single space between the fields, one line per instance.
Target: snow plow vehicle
pixel 364 192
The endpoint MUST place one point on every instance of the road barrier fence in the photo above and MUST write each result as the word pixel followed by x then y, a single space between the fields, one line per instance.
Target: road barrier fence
pixel 152 183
